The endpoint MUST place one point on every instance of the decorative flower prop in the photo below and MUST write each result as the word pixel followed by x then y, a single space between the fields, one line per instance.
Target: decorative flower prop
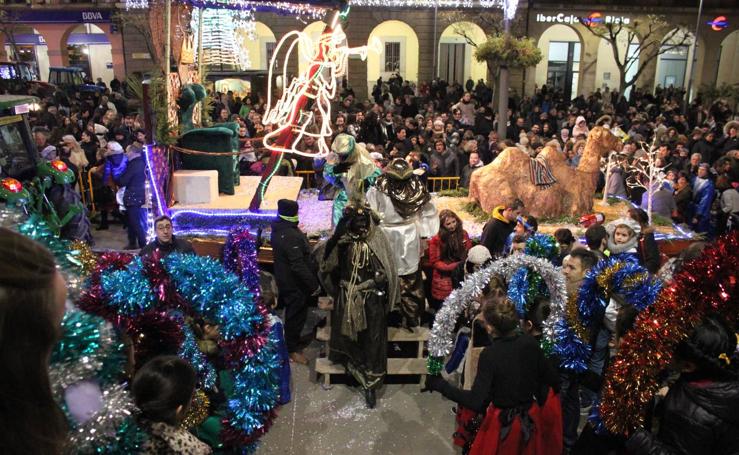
pixel 608 277
pixel 705 285
pixel 441 339
pixel 150 298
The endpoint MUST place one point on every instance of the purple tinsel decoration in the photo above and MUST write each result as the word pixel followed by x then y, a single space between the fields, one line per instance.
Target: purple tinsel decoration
pixel 240 257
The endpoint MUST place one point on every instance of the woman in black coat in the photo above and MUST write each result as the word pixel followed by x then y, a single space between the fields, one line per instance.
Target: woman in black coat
pixel 701 410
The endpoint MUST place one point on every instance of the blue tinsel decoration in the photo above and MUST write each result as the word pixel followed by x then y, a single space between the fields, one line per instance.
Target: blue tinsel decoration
pixel 518 289
pixel 128 290
pixel 215 294
pixel 542 246
pixel 190 352
pixel 592 302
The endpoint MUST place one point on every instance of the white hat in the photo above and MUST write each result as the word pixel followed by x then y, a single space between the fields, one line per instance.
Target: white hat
pixel 376 156
pixel 478 254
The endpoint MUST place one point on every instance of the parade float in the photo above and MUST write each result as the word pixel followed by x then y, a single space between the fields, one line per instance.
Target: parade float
pixel 194 171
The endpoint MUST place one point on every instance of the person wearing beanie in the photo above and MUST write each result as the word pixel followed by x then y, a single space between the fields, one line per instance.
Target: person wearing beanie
pixel 295 273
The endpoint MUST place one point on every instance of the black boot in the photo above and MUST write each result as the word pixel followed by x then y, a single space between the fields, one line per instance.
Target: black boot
pixel 370 398
pixel 103 221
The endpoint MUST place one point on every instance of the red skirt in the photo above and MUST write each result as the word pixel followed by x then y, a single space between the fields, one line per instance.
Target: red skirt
pixel 536 431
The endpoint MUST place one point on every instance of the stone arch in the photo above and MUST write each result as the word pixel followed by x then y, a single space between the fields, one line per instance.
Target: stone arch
pixel 88 46
pixel 673 67
pixel 378 65
pixel 260 47
pixel 452 35
pixel 556 74
pixel 728 65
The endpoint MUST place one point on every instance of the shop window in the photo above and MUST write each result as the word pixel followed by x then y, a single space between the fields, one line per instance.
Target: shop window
pixel 392 57
pixel 672 66
pixel 563 67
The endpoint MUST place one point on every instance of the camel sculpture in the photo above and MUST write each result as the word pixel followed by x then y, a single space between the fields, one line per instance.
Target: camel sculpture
pixel 508 177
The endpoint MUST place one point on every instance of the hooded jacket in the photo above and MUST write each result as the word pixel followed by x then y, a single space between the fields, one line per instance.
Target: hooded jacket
pixel 578 130
pixel 496 232
pixel 700 417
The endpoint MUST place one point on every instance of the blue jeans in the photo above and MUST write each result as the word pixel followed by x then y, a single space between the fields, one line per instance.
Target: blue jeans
pixel 136 228
pixel 597 363
pixel 570 400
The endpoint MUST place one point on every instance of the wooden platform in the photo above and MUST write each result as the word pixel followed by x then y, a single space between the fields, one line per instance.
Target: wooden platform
pixel 395 365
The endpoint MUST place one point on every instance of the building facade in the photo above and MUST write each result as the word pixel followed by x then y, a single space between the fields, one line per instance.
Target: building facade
pixel 65 33
pixel 422 43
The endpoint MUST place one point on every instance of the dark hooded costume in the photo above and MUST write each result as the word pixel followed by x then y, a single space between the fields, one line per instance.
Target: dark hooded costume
pixel 358 271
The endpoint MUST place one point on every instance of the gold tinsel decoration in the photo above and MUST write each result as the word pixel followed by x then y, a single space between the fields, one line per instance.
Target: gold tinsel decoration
pixel 573 318
pixel 84 256
pixel 605 279
pixel 198 411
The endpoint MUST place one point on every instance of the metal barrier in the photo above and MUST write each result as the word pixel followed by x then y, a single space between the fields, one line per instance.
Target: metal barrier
pixel 92 193
pixel 442 183
pixel 308 178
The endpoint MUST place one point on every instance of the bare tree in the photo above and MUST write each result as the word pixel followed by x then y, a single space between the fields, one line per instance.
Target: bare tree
pixel 645 173
pixel 649 40
pixel 139 21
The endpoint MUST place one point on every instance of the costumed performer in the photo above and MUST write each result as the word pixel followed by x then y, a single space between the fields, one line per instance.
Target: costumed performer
pixel 408 216
pixel 512 375
pixel 358 270
pixel 350 162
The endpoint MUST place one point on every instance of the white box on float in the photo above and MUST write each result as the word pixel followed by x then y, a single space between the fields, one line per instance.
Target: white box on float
pixel 195 187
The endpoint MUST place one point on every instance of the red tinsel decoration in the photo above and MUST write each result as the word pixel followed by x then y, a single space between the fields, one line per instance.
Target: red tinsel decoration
pixel 154 333
pixel 93 300
pixel 161 282
pixel 705 285
pixel 231 437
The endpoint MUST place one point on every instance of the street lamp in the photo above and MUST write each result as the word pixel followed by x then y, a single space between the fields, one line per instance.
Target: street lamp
pixel 695 56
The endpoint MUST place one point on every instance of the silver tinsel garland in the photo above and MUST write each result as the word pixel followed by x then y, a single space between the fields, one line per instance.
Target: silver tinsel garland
pixel 102 427
pixel 441 340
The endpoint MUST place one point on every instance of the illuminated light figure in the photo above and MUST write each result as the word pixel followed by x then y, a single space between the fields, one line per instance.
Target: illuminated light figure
pixel 328 57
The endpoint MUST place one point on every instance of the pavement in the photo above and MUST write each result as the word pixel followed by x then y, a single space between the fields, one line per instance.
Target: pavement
pixel 335 420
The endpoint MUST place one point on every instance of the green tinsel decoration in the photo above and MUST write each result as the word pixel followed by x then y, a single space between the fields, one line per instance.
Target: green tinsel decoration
pixel 434 365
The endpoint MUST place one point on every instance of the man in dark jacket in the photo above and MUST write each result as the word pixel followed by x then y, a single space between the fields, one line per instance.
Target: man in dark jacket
pixel 295 273
pixel 706 148
pixel 165 241
pixel 134 179
pixel 498 229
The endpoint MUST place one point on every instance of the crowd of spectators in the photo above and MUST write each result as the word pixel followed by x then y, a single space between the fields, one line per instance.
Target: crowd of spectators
pixel 450 130
pixel 447 130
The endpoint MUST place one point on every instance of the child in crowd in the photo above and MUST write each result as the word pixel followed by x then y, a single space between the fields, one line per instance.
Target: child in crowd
pixel 511 372
pixel 163 389
pixel 623 236
pixel 525 227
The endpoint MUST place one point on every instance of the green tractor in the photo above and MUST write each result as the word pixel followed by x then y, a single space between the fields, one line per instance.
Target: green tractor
pixel 33 185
